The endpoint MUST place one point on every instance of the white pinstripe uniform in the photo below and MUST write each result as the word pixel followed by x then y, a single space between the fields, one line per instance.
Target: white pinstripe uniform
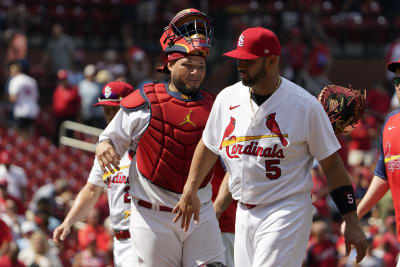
pixel 270 169
pixel 119 202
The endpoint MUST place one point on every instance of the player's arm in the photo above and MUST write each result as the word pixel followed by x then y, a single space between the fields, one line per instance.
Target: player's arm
pixel 375 192
pixel 343 196
pixel 114 141
pixel 189 204
pixel 224 197
pixel 84 202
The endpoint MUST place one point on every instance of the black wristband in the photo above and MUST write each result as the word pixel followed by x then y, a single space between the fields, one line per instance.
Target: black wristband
pixel 344 199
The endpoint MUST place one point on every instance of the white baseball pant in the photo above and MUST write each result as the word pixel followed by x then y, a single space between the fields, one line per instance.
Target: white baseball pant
pixel 228 239
pixel 160 242
pixel 274 234
pixel 123 253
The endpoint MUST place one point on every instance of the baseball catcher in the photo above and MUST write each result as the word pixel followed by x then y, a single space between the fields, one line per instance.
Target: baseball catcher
pixel 344 106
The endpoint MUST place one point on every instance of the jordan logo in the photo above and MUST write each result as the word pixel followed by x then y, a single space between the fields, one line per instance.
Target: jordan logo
pixel 187 120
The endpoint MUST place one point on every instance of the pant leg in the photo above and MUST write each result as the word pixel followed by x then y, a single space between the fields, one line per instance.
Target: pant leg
pixel 281 237
pixel 228 239
pixel 153 238
pixel 243 248
pixel 203 243
pixel 124 255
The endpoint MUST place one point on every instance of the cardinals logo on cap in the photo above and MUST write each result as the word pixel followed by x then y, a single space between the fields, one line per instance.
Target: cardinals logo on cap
pixel 107 91
pixel 241 40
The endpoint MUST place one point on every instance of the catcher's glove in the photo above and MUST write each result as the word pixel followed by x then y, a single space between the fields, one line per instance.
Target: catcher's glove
pixel 344 106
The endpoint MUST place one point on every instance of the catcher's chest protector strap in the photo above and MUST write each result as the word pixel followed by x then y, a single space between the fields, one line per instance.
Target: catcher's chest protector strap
pixel 166 148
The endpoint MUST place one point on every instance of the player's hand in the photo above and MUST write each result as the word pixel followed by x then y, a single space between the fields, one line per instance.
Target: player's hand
pixel 188 205
pixel 354 235
pixel 107 156
pixel 61 233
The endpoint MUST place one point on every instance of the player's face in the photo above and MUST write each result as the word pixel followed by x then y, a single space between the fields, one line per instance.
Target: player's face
pixel 187 74
pixel 397 82
pixel 109 112
pixel 252 71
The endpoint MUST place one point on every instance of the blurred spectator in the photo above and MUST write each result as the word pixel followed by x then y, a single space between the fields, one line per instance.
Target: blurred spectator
pixel 294 53
pixel 27 229
pixel 16 178
pixel 112 65
pixel 138 63
pixel 360 145
pixel 319 64
pixel 5 237
pixel 10 257
pixel 38 253
pixel 90 256
pixel 94 230
pixel 17 49
pixel 66 103
pixel 12 219
pixel 322 250
pixel 23 92
pixel 103 77
pixel 320 191
pixel 50 192
pixel 74 74
pixel 44 218
pixel 4 196
pixel 60 50
pixel 89 92
pixel 378 102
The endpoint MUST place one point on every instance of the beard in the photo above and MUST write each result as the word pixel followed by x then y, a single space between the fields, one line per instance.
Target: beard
pixel 250 81
pixel 189 91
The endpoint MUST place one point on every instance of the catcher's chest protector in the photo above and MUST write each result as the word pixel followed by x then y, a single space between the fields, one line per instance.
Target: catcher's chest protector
pixel 166 148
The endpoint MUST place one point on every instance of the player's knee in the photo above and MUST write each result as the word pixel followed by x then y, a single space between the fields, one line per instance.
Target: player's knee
pixel 213 264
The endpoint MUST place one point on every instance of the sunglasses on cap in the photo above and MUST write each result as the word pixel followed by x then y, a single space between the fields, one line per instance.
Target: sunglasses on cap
pixel 396 80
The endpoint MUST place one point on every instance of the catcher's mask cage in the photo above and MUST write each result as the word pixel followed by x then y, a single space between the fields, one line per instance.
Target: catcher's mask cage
pixel 190 31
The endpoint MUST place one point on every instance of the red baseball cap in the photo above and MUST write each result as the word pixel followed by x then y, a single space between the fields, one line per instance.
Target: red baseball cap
pixel 113 92
pixel 5 157
pixel 254 43
pixel 391 66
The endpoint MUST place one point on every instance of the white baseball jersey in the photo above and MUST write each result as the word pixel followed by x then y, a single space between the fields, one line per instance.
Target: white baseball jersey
pixel 118 187
pixel 269 150
pixel 125 131
pixel 26 90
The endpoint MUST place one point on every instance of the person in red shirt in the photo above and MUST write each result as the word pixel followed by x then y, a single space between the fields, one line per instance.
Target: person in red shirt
pixel 9 258
pixel 66 103
pixel 94 230
pixel 322 251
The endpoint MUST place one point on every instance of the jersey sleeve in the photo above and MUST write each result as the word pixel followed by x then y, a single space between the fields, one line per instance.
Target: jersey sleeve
pixel 212 130
pixel 13 87
pixel 322 141
pixel 380 169
pixel 126 129
pixel 96 175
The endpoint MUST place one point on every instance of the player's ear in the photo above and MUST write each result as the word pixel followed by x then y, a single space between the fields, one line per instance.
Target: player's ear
pixel 170 65
pixel 272 61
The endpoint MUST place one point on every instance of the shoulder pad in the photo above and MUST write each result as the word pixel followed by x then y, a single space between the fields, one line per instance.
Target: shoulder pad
pixel 133 101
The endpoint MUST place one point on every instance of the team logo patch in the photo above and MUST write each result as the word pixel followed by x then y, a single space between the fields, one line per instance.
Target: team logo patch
pixel 107 92
pixel 392 161
pixel 241 40
pixel 188 120
pixel 273 126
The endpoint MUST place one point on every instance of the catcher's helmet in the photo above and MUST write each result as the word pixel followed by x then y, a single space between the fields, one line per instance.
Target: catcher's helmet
pixel 189 32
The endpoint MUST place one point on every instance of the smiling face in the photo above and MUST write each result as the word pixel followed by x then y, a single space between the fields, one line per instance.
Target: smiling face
pixel 252 71
pixel 187 74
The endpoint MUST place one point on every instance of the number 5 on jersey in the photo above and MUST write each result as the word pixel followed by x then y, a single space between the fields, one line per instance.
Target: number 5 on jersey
pixel 272 171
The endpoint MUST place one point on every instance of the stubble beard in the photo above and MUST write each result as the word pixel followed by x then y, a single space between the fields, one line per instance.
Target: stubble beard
pixel 182 88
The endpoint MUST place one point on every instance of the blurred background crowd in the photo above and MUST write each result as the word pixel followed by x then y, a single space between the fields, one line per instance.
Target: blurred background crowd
pixel 64 51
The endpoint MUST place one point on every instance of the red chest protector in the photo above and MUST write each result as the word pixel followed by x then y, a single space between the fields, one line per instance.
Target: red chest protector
pixel 166 148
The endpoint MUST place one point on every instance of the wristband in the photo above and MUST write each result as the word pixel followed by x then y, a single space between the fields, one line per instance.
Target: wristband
pixel 344 199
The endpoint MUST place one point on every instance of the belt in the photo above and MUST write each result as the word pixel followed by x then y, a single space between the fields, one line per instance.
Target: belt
pixel 121 234
pixel 150 206
pixel 247 206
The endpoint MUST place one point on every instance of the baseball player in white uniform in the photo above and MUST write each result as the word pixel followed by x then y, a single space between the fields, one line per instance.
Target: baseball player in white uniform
pixel 163 123
pixel 268 130
pixel 117 185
